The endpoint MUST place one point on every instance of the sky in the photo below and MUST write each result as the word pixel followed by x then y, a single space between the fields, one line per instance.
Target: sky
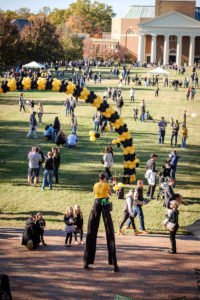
pixel 119 6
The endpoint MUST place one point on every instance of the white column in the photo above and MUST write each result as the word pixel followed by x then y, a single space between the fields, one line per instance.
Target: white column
pixel 191 52
pixel 179 50
pixel 153 48
pixel 166 51
pixel 141 49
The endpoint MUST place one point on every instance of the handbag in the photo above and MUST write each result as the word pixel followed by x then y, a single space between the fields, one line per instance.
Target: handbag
pixel 170 226
pixel 70 229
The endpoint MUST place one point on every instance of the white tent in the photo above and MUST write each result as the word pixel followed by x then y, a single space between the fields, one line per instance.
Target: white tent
pixel 34 65
pixel 159 71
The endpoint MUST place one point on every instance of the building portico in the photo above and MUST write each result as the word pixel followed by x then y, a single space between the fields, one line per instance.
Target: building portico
pixel 172 26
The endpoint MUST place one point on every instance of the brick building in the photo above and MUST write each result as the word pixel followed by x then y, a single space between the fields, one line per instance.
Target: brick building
pixel 166 32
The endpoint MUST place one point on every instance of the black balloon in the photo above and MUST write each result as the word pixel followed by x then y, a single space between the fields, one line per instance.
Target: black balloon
pixel 97 135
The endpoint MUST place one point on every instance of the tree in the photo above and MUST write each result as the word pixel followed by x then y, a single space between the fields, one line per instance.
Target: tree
pixel 45 11
pixel 72 45
pixel 23 12
pixel 79 24
pixel 10 15
pixel 58 16
pixel 40 40
pixel 108 54
pixel 9 43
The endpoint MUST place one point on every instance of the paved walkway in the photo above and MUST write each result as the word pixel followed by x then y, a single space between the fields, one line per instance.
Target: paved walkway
pixel 56 272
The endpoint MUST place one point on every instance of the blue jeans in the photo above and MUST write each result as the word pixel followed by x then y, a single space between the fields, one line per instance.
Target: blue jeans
pixel 55 171
pixel 184 142
pixel 172 173
pixel 142 118
pixel 54 133
pixel 47 173
pixel 138 211
pixel 67 111
pixel 161 137
pixel 74 129
pixel 132 98
pixel 172 137
pixel 96 126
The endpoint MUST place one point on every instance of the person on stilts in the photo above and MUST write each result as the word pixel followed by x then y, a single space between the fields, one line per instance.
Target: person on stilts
pixel 101 205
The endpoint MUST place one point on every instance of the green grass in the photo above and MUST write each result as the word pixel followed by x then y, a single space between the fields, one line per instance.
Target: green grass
pixel 80 167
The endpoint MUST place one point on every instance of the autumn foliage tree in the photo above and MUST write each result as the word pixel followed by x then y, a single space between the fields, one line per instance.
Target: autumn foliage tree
pixel 40 41
pixel 9 43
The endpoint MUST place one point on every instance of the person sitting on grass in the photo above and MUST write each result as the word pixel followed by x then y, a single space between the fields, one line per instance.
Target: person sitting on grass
pixel 48 132
pixel 128 212
pixel 60 139
pixel 71 140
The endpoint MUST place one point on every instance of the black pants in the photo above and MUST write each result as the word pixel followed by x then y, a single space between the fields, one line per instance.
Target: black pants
pixel 109 175
pixel 68 237
pixel 80 231
pixel 93 225
pixel 126 216
pixel 22 106
pixel 42 236
pixel 173 238
pixel 151 190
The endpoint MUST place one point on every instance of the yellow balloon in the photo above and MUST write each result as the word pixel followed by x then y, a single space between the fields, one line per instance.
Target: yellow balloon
pixel 92 133
pixel 120 185
pixel 92 139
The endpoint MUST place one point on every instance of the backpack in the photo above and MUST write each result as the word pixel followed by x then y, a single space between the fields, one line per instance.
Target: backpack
pixel 120 193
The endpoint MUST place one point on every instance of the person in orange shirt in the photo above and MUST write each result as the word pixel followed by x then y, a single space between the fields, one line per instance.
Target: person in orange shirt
pixel 101 191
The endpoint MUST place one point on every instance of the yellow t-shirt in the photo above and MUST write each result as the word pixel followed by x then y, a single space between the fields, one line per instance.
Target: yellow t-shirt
pixel 101 190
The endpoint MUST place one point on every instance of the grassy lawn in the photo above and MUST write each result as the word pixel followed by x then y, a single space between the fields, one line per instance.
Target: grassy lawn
pixel 80 167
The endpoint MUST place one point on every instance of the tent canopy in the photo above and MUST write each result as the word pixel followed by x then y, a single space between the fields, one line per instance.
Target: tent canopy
pixel 34 65
pixel 158 71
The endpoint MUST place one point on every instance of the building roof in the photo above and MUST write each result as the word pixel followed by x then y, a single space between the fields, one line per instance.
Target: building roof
pixel 137 12
pixel 21 23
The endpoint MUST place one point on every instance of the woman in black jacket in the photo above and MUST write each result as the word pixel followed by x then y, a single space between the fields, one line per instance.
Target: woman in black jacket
pixel 56 163
pixel 56 128
pixel 173 218
pixel 60 139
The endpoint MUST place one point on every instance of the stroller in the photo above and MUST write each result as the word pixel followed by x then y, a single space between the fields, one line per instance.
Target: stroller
pixel 163 182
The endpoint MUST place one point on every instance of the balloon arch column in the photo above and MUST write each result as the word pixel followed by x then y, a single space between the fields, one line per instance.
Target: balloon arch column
pixel 124 137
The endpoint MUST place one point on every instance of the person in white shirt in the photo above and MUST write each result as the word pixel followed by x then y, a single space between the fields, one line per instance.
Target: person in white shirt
pixel 132 94
pixel 71 140
pixel 108 162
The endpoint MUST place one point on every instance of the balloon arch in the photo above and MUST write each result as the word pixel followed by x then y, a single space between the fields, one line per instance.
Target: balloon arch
pixel 124 137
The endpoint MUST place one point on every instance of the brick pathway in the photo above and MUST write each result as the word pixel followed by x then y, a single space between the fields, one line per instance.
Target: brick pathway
pixel 56 272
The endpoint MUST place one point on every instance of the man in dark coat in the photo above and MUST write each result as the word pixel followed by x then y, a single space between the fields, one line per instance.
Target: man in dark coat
pixel 30 232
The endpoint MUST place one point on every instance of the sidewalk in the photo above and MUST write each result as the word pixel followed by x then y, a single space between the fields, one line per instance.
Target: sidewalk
pixel 147 271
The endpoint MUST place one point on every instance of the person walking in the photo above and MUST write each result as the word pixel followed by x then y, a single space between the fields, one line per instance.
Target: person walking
pixel 108 162
pixel 162 125
pixel 175 130
pixel 33 126
pixel 40 112
pixel 129 212
pixel 119 104
pixel 132 94
pixel 101 191
pixel 48 171
pixel 21 103
pixel 33 166
pixel 184 134
pixel 151 171
pixel 139 202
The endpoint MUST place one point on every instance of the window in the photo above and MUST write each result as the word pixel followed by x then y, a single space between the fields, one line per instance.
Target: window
pixel 173 38
pixel 130 32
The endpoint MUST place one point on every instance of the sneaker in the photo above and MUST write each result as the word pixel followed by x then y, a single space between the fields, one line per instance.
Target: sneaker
pixel 120 232
pixel 128 227
pixel 82 243
pixel 171 252
pixel 116 269
pixel 145 232
pixel 77 243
